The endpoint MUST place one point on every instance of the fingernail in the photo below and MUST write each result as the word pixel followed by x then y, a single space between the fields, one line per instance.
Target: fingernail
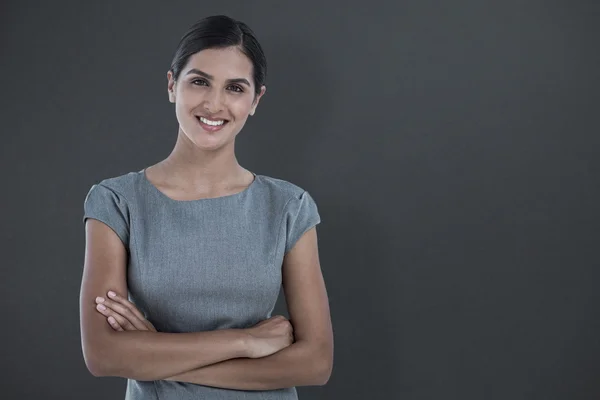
pixel 112 294
pixel 99 299
pixel 111 320
pixel 101 307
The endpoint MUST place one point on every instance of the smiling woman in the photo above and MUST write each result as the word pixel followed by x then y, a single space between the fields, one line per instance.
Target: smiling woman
pixel 219 101
pixel 184 259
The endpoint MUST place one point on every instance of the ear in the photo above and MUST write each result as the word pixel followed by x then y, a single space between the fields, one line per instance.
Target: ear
pixel 263 89
pixel 171 86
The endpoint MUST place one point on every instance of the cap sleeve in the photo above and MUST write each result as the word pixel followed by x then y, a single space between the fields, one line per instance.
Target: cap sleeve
pixel 106 205
pixel 302 214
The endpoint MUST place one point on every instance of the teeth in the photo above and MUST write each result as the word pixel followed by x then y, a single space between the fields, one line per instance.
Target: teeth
pixel 212 123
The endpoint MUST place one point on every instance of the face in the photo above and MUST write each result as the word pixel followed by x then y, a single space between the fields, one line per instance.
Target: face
pixel 213 96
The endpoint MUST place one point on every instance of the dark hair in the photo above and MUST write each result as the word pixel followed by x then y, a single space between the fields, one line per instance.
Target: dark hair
pixel 220 31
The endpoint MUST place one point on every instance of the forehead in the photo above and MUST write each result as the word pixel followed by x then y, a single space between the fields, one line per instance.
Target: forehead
pixel 226 63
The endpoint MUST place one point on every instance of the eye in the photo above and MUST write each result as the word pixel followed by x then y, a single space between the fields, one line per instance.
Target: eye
pixel 237 88
pixel 202 82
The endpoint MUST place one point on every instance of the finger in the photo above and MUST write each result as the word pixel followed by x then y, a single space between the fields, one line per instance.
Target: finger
pixel 114 324
pixel 150 326
pixel 123 321
pixel 126 303
pixel 122 311
pixel 130 320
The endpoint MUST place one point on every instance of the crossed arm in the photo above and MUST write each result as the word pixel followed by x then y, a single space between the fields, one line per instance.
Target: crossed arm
pixel 300 364
pixel 216 358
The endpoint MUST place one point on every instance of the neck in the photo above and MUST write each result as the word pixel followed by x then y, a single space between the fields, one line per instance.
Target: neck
pixel 195 167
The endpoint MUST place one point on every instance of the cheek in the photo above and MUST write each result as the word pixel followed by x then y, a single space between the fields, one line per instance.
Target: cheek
pixel 241 107
pixel 189 99
pixel 181 111
pixel 185 106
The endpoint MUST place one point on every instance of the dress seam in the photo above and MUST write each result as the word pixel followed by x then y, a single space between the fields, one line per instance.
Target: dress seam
pixel 279 230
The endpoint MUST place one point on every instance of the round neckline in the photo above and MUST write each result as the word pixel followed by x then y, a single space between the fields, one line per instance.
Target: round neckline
pixel 233 195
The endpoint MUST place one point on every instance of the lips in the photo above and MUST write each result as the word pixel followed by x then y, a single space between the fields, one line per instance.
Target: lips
pixel 209 127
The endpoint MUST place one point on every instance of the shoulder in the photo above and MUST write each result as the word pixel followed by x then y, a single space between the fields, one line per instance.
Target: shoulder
pixel 293 201
pixel 284 189
pixel 121 185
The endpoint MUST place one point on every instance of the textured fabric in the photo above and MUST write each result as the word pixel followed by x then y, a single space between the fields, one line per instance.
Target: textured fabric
pixel 203 264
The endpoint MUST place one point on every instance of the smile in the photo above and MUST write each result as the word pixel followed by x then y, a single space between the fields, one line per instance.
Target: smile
pixel 210 125
pixel 211 122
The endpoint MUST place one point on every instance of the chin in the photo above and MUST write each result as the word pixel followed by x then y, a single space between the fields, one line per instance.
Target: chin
pixel 207 142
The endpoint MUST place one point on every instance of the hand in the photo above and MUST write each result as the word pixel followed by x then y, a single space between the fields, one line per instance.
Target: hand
pixel 122 315
pixel 270 336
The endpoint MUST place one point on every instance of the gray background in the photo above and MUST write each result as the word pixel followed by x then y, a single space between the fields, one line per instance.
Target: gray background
pixel 451 148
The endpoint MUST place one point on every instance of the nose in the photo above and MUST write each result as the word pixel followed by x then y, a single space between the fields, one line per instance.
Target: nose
pixel 213 101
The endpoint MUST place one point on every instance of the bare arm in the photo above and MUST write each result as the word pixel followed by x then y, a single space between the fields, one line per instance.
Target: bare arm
pixel 296 365
pixel 141 355
pixel 308 361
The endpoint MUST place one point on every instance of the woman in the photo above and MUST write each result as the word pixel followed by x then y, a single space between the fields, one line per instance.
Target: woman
pixel 184 259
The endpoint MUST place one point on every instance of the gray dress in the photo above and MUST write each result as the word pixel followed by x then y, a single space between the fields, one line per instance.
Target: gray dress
pixel 205 264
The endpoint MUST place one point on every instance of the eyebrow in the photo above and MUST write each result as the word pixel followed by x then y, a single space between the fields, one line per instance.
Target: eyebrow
pixel 210 77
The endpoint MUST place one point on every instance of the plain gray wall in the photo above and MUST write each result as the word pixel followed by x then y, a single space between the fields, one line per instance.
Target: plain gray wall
pixel 452 149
